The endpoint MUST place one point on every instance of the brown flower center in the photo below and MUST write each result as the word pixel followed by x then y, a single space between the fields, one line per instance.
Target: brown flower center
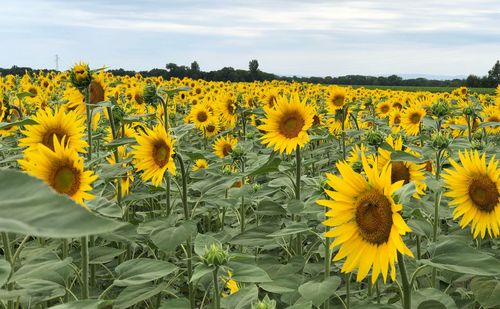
pixel 96 92
pixel 291 125
pixel 397 105
pixel 374 217
pixel 138 98
pixel 483 192
pixel 202 116
pixel 415 117
pixel 66 180
pixel 384 109
pixel 210 128
pixel 338 100
pixel 48 137
pixel 227 149
pixel 230 106
pixel 493 118
pixel 400 172
pixel 397 120
pixel 270 101
pixel 161 153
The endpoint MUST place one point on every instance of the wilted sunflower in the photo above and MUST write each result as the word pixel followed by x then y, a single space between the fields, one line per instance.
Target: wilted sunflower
pixel 411 118
pixel 474 187
pixel 223 146
pixel 154 154
pixel 199 165
pixel 366 221
pixel 62 169
pixel 60 125
pixel 286 125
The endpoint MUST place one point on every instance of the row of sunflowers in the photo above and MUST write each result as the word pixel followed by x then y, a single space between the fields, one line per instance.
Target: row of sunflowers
pixel 228 179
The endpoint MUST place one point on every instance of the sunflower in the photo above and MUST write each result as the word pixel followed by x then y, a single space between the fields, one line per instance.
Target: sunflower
pixel 223 146
pixel 366 221
pixel 212 128
pixel 231 285
pixel 411 118
pixel 383 108
pixel 395 120
pixel 491 113
pixel 59 125
pixel 286 125
pixel 474 187
pixel 154 154
pixel 354 157
pixel 336 99
pixel 199 164
pixel 403 170
pixel 62 169
pixel 227 109
pixel 200 116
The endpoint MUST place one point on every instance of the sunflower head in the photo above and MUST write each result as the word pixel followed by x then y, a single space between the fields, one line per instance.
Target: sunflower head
pixel 61 168
pixel 224 146
pixel 286 125
pixel 200 164
pixel 336 99
pixel 474 188
pixel 80 75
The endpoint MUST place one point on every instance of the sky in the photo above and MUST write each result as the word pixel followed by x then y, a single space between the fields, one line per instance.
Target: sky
pixel 287 37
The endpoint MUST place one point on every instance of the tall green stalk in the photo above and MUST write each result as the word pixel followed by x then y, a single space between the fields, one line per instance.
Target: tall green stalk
pixel 85 266
pixel 216 288
pixel 437 202
pixel 298 175
pixel 8 257
pixel 187 216
pixel 406 297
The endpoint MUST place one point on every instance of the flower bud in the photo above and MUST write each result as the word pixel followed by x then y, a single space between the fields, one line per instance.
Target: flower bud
pixel 468 111
pixel 440 109
pixel 440 142
pixel 80 76
pixel 266 303
pixel 149 93
pixel 215 255
pixel 374 138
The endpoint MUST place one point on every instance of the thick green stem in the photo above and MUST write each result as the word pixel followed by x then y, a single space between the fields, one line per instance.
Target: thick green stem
pixel 298 174
pixel 242 206
pixel 167 193
pixel 187 216
pixel 406 297
pixel 437 202
pixel 216 288
pixel 344 111
pixel 115 154
pixel 326 305
pixel 8 257
pixel 348 290
pixel 85 266
pixel 89 123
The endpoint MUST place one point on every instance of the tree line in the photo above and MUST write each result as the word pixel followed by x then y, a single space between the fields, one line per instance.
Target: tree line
pixel 492 79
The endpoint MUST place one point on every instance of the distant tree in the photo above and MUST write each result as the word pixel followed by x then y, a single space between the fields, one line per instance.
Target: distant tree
pixel 473 81
pixel 253 66
pixel 195 67
pixel 494 74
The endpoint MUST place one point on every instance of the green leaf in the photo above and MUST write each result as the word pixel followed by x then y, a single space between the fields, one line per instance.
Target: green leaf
pixel 241 299
pixel 404 156
pixel 486 291
pixel 103 255
pixel 269 208
pixel 85 304
pixel 201 270
pixel 270 166
pixel 464 259
pixel 283 284
pixel 4 272
pixel 168 239
pixel 140 271
pixel 319 291
pixel 295 206
pixel 25 121
pixel 430 298
pixel 12 295
pixel 492 124
pixel 34 213
pixel 39 270
pixel 132 295
pixel 40 290
pixel 176 303
pixel 243 272
pixel 292 229
pixel 120 142
pixel 420 227
pixel 255 236
pixel 202 242
pixel 178 89
pixel 22 95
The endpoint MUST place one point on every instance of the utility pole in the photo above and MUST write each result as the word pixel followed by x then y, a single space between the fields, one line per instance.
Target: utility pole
pixel 57 62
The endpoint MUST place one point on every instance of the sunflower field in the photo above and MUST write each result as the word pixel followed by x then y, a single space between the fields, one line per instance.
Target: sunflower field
pixel 134 192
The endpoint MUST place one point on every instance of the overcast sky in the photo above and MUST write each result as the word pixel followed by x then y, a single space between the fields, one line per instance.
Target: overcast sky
pixel 447 37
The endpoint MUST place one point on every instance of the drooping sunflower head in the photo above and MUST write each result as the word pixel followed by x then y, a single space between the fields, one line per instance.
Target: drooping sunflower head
pixel 223 146
pixel 286 125
pixel 365 220
pixel 62 169
pixel 474 188
pixel 154 154
pixel 55 125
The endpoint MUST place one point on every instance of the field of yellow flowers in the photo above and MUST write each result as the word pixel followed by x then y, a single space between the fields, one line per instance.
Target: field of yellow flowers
pixel 133 192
